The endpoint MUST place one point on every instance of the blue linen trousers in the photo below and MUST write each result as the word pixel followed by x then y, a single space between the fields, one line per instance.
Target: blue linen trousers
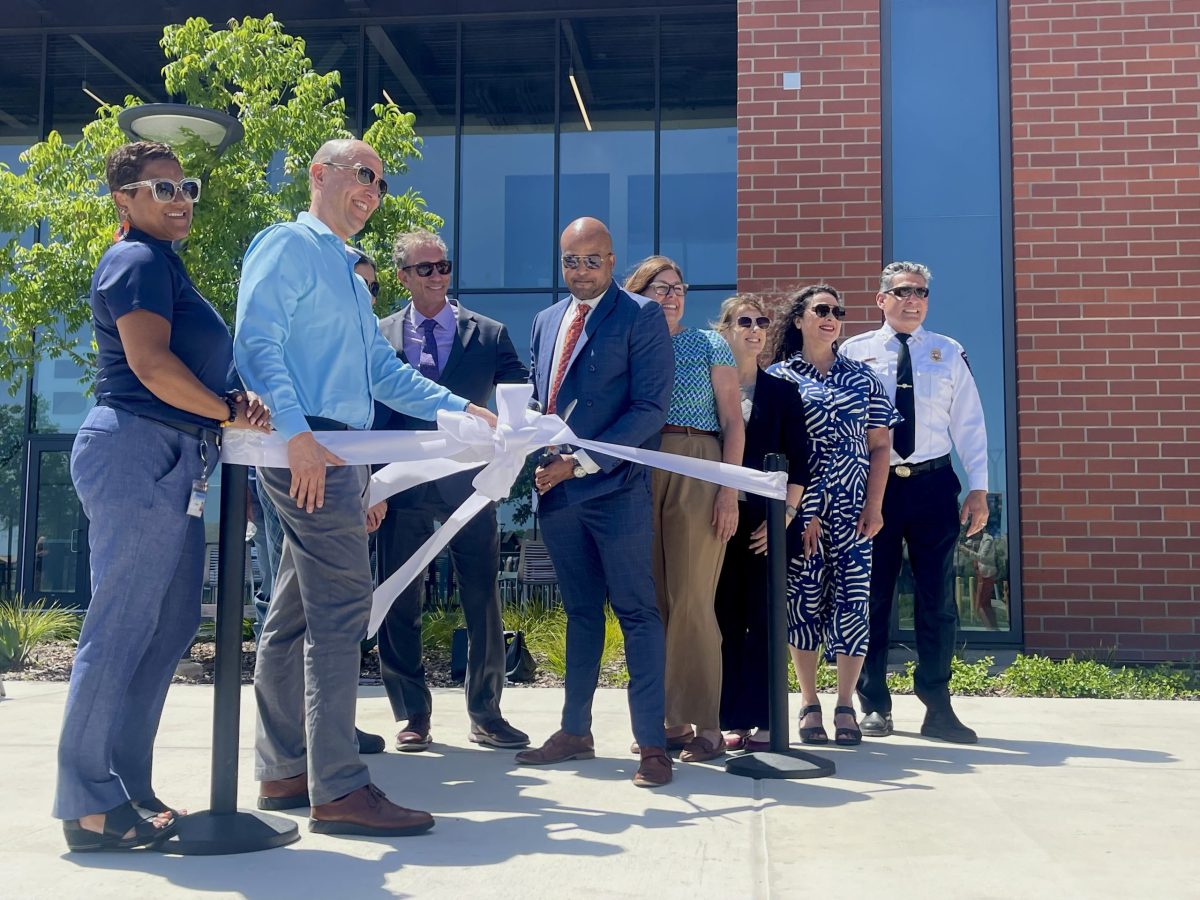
pixel 133 477
pixel 601 547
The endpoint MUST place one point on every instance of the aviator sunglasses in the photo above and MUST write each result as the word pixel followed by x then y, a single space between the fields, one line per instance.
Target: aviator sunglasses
pixel 821 310
pixel 363 175
pixel 425 269
pixel 572 261
pixel 747 321
pixel 164 189
pixel 907 290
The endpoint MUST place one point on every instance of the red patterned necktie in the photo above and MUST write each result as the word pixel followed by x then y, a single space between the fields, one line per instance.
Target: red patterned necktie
pixel 564 361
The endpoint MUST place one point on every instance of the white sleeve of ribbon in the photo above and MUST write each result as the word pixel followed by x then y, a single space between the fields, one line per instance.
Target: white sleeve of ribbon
pixel 464 442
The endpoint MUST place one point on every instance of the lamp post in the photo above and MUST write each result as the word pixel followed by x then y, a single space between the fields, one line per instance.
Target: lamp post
pixel 223 828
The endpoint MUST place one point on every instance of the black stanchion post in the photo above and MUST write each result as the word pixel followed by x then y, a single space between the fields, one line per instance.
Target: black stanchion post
pixel 224 828
pixel 780 761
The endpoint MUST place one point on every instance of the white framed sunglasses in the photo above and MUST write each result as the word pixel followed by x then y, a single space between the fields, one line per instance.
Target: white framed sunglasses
pixel 164 189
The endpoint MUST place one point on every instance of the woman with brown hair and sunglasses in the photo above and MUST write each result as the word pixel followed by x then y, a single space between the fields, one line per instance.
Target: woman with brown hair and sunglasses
pixel 140 465
pixel 774 417
pixel 693 519
pixel 849 417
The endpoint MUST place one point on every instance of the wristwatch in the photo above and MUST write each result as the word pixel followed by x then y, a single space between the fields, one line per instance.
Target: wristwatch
pixel 578 470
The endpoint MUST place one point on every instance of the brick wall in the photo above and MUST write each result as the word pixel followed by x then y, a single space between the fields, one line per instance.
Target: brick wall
pixel 808 160
pixel 1106 159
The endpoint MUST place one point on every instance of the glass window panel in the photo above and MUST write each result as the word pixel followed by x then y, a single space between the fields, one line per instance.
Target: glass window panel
pixel 12 451
pixel 608 172
pixel 698 191
pixel 946 213
pixel 415 66
pixel 61 389
pixel 335 48
pixel 516 311
pixel 57 550
pixel 20 80
pixel 508 155
pixel 111 66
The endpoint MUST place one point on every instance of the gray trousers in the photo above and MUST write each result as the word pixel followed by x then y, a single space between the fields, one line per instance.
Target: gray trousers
pixel 306 676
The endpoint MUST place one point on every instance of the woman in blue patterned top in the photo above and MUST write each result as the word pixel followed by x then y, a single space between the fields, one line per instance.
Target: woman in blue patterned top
pixel 693 519
pixel 849 417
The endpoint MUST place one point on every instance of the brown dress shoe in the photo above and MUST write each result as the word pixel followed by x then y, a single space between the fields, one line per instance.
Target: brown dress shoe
pixel 368 811
pixel 284 793
pixel 559 748
pixel 702 749
pixel 655 770
pixel 678 742
pixel 415 736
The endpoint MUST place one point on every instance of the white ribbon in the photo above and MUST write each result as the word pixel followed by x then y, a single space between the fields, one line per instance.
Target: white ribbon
pixel 464 442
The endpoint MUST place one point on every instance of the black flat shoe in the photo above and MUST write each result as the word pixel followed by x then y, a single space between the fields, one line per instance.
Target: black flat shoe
pixel 876 725
pixel 846 737
pixel 154 807
pixel 944 725
pixel 815 734
pixel 117 822
pixel 369 743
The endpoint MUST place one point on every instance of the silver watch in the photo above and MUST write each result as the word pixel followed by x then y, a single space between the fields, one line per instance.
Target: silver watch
pixel 579 471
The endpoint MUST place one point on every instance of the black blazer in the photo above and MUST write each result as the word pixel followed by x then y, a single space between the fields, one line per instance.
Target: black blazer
pixel 481 357
pixel 776 426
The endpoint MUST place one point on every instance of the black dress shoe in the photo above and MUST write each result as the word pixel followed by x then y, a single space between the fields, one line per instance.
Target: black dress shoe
pixel 498 733
pixel 876 724
pixel 944 725
pixel 369 743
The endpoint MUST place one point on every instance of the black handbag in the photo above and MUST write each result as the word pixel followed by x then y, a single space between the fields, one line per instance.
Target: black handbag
pixel 519 664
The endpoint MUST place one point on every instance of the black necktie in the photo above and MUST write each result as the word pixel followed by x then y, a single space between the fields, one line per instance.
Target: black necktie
pixel 904 438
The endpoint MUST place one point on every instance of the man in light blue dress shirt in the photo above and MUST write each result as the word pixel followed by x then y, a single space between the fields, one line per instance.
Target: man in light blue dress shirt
pixel 306 337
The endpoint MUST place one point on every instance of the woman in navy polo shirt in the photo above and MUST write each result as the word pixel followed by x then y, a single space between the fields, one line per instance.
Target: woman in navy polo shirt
pixel 140 465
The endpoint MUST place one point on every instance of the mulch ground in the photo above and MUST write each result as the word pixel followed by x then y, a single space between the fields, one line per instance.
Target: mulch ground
pixel 52 662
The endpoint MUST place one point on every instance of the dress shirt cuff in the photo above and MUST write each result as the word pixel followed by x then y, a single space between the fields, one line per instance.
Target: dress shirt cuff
pixel 455 403
pixel 589 465
pixel 977 481
pixel 290 423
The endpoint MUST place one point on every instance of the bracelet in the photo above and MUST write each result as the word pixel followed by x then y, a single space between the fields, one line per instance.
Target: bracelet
pixel 232 399
pixel 791 511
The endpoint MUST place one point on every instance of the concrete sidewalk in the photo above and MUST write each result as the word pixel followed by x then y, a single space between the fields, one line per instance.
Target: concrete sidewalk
pixel 1062 798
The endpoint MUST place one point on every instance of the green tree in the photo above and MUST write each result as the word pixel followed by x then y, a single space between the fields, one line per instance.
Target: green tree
pixel 251 69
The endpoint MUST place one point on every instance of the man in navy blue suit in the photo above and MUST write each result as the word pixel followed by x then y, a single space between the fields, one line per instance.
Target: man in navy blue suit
pixel 606 356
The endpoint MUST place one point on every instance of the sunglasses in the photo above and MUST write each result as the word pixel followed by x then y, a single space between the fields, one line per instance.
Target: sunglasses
pixel 164 189
pixel 907 290
pixel 425 269
pixel 748 321
pixel 363 175
pixel 662 289
pixel 373 287
pixel 821 310
pixel 572 261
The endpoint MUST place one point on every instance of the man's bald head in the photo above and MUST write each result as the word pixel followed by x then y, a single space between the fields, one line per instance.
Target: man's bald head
pixel 587 258
pixel 339 198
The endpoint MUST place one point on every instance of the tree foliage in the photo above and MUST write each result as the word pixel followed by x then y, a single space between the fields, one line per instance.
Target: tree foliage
pixel 251 69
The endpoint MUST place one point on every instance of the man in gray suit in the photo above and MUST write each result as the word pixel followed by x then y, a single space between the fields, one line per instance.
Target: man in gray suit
pixel 469 354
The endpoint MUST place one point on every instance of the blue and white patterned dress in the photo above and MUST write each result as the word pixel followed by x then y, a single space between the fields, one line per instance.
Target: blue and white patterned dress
pixel 829 593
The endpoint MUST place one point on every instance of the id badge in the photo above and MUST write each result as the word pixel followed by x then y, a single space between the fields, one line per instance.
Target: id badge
pixel 195 506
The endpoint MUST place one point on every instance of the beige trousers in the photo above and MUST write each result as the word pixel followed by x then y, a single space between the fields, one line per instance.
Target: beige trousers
pixel 687 562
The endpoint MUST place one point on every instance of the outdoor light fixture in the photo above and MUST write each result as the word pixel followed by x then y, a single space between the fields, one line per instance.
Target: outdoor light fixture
pixel 171 123
pixel 579 98
pixel 87 91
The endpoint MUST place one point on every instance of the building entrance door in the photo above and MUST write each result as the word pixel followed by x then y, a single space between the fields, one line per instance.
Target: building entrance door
pixel 54 564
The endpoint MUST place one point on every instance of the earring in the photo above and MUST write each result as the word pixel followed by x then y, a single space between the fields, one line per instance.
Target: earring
pixel 123 226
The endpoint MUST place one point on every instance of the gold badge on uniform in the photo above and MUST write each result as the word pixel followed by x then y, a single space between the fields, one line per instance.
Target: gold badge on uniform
pixel 935 354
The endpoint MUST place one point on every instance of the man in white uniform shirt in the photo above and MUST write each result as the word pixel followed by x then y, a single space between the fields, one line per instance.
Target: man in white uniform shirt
pixel 931 384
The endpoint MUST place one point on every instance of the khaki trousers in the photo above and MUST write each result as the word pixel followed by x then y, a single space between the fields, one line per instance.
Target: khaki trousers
pixel 687 564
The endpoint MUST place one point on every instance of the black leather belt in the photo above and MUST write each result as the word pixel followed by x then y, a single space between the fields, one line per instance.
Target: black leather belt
pixel 199 432
pixel 908 470
pixel 318 423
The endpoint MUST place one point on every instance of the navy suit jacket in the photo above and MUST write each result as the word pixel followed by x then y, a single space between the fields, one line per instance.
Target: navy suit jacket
pixel 620 381
pixel 481 357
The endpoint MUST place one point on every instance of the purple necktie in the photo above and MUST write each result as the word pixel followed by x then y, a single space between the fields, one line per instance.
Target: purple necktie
pixel 429 352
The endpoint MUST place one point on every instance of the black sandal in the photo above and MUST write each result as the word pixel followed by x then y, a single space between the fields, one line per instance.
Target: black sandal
pixel 815 734
pixel 847 737
pixel 117 822
pixel 154 807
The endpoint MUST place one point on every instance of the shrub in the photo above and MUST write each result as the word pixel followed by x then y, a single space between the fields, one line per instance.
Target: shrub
pixel 24 627
pixel 1037 676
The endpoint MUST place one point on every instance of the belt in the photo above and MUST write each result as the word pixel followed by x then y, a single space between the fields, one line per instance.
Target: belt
pixel 689 430
pixel 318 423
pixel 211 435
pixel 907 470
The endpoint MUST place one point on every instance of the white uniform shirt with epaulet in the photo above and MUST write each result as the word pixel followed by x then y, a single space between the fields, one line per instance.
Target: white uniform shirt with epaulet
pixel 945 397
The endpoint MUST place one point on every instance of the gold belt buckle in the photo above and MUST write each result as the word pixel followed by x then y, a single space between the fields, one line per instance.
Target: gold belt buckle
pixel 903 471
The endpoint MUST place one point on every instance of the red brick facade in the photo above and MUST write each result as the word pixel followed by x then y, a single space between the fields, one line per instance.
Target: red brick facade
pixel 1106 173
pixel 1106 176
pixel 809 196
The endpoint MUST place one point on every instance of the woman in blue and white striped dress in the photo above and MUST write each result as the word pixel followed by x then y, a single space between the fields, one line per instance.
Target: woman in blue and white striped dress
pixel 848 416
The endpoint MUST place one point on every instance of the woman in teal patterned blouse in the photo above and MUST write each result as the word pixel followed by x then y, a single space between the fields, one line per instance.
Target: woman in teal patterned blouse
pixel 692 519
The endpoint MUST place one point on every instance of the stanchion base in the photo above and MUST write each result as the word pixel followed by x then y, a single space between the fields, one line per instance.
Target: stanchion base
pixel 212 834
pixel 788 764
